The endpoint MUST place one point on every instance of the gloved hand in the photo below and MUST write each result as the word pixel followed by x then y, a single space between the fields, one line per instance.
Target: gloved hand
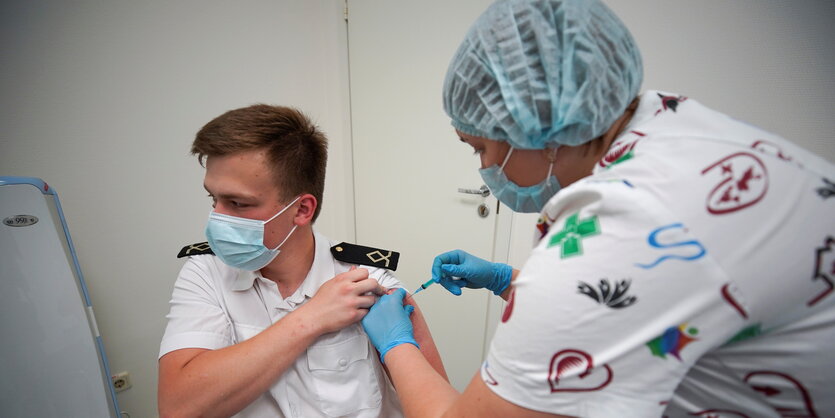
pixel 387 323
pixel 472 272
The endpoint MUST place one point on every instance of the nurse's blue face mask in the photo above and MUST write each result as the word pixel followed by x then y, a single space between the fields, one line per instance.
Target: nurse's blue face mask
pixel 529 199
pixel 239 242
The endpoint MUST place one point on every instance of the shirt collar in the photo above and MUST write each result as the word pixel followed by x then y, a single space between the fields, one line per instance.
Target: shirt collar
pixel 321 270
pixel 244 280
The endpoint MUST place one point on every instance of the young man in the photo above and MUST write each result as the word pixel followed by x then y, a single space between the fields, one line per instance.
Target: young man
pixel 265 322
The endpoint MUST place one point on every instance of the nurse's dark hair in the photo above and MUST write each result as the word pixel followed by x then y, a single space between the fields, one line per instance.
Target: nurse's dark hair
pixel 296 148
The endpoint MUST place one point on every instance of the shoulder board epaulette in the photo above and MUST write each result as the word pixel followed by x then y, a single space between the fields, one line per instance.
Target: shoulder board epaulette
pixel 195 249
pixel 358 254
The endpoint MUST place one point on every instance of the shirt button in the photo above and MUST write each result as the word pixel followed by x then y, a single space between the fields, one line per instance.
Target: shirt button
pixel 343 362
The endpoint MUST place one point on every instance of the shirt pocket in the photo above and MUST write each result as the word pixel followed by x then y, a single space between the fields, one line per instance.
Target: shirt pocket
pixel 243 332
pixel 343 375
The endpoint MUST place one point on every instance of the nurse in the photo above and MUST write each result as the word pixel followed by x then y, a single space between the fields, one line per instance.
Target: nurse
pixel 684 261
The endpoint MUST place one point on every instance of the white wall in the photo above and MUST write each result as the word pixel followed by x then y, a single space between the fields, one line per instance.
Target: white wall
pixel 767 62
pixel 102 100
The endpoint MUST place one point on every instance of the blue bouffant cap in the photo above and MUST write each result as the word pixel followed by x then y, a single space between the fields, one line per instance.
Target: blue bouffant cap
pixel 542 73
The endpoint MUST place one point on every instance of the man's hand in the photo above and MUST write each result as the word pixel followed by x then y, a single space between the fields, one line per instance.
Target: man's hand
pixel 342 300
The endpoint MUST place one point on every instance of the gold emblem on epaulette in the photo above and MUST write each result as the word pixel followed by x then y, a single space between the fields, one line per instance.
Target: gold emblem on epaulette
pixel 380 257
pixel 195 249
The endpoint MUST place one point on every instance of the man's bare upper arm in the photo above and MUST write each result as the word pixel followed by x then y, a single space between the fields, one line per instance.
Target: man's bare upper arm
pixel 173 362
pixel 424 338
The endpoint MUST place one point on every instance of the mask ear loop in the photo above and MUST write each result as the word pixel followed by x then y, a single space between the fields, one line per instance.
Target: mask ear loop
pixel 282 210
pixel 507 157
pixel 286 238
pixel 279 213
pixel 551 158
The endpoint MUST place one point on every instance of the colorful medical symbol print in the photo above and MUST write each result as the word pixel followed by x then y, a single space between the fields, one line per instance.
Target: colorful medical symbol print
pixel 571 236
pixel 621 150
pixel 779 388
pixel 605 294
pixel 673 341
pixel 827 190
pixel 669 103
pixel 770 148
pixel 674 249
pixel 543 225
pixel 732 295
pixel 824 270
pixel 746 333
pixel 508 310
pixel 718 413
pixel 742 181
pixel 577 363
pixel 487 376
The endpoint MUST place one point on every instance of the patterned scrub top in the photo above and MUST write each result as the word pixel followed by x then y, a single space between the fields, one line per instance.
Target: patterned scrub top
pixel 691 275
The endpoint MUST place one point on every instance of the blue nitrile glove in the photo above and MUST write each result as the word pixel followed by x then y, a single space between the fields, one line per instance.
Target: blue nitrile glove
pixel 472 272
pixel 387 323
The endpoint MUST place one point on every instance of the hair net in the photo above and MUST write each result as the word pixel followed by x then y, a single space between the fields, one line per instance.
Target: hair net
pixel 542 73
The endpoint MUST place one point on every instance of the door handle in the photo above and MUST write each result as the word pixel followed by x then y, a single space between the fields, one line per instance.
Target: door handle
pixel 483 191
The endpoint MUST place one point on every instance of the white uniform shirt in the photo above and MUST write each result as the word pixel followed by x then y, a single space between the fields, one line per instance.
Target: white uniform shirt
pixel 215 306
pixel 691 275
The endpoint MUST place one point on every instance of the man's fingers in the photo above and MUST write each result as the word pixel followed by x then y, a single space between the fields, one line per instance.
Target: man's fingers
pixel 369 285
pixel 366 301
pixel 362 312
pixel 355 274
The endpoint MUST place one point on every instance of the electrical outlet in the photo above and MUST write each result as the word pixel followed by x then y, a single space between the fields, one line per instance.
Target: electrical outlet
pixel 121 381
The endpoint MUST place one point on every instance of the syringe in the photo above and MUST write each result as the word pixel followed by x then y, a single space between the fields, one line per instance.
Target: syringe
pixel 423 286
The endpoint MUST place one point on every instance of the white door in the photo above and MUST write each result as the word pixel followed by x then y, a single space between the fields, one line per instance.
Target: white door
pixel 408 162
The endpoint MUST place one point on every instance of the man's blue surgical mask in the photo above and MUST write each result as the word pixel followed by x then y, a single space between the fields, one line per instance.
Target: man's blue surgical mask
pixel 239 242
pixel 521 199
